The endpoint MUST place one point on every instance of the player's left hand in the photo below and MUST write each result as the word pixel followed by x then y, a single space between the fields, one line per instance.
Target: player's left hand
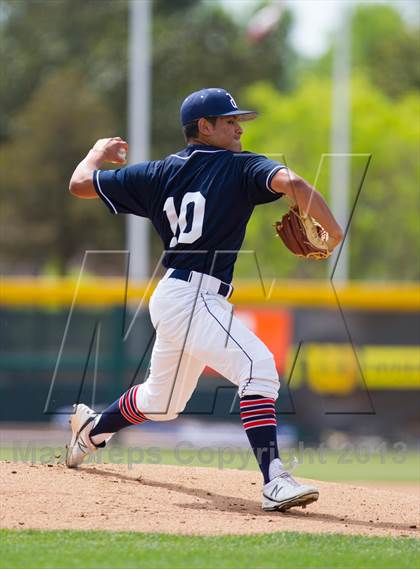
pixel 113 150
pixel 303 235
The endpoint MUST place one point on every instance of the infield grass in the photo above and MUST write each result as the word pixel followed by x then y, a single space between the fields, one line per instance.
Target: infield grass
pixel 31 549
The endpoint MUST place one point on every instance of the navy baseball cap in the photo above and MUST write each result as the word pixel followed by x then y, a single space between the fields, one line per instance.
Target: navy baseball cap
pixel 212 102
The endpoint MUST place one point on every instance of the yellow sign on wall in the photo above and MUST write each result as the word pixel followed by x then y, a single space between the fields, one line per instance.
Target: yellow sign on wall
pixel 340 368
pixel 331 368
pixel 391 367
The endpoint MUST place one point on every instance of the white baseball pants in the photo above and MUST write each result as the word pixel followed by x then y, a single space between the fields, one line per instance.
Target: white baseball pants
pixel 196 328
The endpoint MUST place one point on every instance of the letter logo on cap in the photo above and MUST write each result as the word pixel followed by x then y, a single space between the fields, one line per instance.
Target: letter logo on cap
pixel 232 101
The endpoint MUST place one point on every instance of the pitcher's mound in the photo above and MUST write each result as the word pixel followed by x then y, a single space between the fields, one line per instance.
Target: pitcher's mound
pixel 188 500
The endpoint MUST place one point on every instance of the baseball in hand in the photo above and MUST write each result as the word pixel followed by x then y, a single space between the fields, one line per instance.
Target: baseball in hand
pixel 122 154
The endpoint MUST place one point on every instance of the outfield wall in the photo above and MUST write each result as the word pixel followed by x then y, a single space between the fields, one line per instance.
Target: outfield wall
pixel 353 366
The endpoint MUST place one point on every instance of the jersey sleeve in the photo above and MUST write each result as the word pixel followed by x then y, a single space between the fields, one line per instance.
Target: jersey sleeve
pixel 125 190
pixel 258 171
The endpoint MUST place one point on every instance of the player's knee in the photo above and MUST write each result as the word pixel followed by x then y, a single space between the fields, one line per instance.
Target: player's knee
pixel 154 406
pixel 266 387
pixel 263 380
pixel 170 416
pixel 175 408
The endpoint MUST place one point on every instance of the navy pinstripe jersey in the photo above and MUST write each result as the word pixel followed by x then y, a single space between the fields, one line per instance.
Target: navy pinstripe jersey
pixel 199 201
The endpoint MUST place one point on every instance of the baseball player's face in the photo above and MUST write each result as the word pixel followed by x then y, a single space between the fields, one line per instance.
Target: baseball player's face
pixel 226 133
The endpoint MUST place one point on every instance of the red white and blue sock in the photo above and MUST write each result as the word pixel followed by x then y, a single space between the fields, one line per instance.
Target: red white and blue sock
pixel 122 413
pixel 258 417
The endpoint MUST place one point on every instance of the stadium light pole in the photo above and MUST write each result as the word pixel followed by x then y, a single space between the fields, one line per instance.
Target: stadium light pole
pixel 340 137
pixel 137 228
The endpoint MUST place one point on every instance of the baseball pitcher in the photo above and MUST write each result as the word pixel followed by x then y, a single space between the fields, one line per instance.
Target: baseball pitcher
pixel 200 201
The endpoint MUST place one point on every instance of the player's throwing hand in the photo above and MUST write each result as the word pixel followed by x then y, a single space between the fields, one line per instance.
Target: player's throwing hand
pixel 113 150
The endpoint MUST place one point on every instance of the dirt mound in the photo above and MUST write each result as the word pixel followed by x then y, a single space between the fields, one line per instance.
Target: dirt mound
pixel 187 500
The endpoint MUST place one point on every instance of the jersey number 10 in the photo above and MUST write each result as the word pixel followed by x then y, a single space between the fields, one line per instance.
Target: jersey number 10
pixel 196 229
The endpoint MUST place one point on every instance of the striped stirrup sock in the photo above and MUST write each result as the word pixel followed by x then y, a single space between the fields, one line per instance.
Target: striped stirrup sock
pixel 122 413
pixel 128 407
pixel 258 417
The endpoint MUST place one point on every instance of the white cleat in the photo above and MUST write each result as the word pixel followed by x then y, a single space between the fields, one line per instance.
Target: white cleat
pixel 80 446
pixel 284 492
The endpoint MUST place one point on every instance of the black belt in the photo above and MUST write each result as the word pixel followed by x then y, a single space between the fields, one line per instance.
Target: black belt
pixel 185 275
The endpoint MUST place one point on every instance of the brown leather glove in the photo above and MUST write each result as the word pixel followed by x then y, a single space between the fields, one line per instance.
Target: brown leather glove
pixel 302 235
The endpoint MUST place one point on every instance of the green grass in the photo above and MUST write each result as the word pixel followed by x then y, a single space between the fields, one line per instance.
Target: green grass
pixel 103 550
pixel 392 464
pixel 71 549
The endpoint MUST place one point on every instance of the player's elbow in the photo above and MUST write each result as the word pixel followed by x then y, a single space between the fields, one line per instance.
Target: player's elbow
pixel 84 190
pixel 76 189
pixel 73 188
pixel 293 186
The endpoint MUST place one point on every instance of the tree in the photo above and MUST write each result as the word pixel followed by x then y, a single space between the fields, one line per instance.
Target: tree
pixel 38 39
pixel 384 47
pixel 41 221
pixel 385 226
pixel 84 43
pixel 195 44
